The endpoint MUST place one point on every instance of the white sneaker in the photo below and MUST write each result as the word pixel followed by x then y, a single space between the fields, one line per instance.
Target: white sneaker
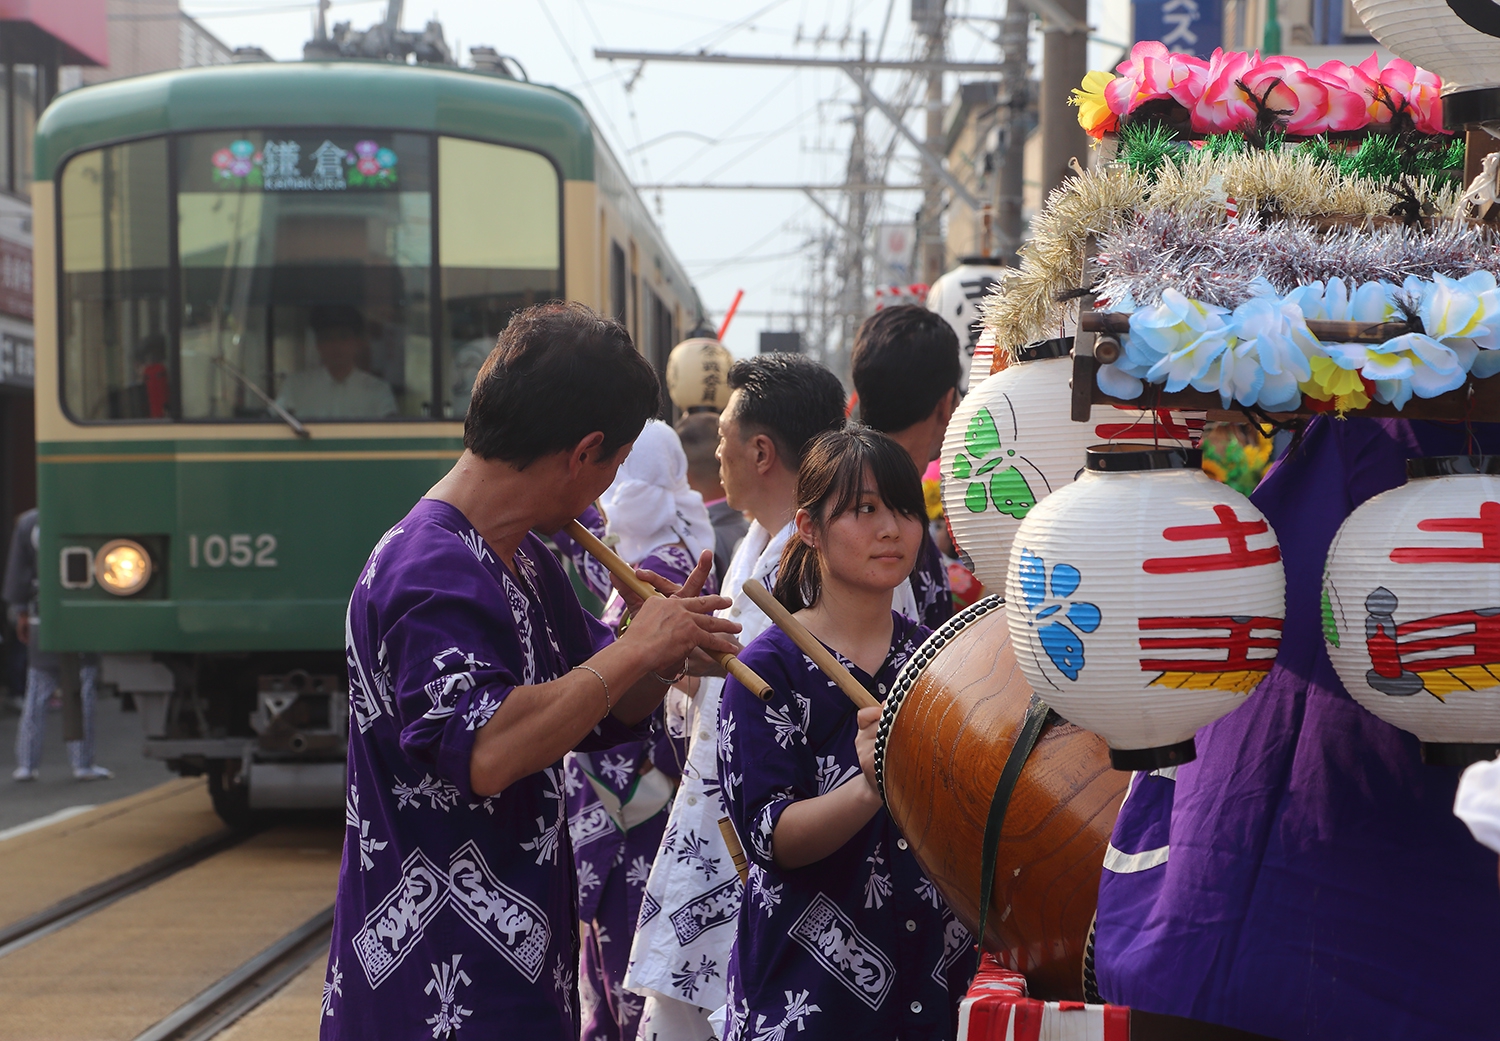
pixel 93 773
pixel 22 774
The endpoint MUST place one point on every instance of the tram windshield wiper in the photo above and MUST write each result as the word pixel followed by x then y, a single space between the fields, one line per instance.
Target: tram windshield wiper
pixel 245 381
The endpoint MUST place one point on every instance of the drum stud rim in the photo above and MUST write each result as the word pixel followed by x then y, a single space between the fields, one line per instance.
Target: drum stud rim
pixel 907 677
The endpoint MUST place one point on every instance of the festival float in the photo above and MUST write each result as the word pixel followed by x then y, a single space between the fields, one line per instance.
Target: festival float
pixel 1254 239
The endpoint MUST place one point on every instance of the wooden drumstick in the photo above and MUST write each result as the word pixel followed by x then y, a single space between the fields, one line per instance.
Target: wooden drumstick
pixel 626 574
pixel 831 666
pixel 736 850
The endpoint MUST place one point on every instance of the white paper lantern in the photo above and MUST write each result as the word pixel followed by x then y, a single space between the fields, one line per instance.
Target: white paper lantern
pixel 956 296
pixel 1457 39
pixel 1411 606
pixel 697 372
pixel 1010 444
pixel 1145 600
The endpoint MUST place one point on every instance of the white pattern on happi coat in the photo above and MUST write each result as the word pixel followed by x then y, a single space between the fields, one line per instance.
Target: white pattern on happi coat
pixel 694 924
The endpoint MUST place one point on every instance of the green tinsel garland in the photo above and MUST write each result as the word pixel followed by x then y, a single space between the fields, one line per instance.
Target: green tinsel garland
pixel 1147 146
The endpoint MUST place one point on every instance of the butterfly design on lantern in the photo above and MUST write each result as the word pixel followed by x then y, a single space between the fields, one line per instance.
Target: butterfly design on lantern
pixel 984 457
pixel 1048 596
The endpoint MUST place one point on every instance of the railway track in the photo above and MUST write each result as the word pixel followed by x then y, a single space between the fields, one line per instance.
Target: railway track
pixel 218 860
pixel 218 1007
pixel 95 898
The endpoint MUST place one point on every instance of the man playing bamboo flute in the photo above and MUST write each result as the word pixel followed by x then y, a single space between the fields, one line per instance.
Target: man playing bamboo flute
pixel 472 670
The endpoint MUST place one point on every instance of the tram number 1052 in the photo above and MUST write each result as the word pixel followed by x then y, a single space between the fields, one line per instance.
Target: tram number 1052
pixel 234 550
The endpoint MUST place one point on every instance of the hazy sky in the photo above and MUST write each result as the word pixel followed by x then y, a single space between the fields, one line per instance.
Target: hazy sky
pixel 697 123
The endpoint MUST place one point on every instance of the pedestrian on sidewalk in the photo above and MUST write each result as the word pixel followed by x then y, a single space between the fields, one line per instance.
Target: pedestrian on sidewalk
pixel 75 676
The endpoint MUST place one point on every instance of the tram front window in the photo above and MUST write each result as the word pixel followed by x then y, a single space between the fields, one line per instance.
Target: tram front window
pixel 303 275
pixel 116 250
pixel 306 259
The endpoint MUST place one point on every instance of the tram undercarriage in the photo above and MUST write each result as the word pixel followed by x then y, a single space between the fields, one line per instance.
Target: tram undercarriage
pixel 268 730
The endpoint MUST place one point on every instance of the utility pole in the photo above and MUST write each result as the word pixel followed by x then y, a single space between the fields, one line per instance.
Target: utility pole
pixel 852 260
pixel 931 20
pixel 1064 64
pixel 1015 99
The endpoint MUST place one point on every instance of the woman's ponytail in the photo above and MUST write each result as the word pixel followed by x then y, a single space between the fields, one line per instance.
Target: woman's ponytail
pixel 799 583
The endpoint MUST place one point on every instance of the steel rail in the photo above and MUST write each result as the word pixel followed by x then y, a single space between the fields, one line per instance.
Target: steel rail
pixel 219 1006
pixel 97 897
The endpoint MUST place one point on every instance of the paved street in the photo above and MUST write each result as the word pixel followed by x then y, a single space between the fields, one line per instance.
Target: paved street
pixel 118 741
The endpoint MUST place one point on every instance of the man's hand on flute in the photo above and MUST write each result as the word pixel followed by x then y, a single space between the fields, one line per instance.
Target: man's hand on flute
pixel 699 662
pixel 537 724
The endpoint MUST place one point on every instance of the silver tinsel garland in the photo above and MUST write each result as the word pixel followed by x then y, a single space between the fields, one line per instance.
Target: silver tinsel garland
pixel 1217 264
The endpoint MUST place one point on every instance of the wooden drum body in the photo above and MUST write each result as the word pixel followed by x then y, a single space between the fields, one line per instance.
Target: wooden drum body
pixel 947 731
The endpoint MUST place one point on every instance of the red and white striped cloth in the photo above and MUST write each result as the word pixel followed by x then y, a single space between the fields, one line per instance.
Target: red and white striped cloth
pixel 996 1008
pixel 891 296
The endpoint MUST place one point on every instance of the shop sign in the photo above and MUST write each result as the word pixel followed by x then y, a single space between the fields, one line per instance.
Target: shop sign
pixel 15 279
pixel 17 360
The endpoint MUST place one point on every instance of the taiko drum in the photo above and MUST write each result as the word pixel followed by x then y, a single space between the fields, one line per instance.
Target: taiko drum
pixel 947 731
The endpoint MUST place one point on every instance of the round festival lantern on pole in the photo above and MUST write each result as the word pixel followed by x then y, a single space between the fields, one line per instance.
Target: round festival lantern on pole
pixel 696 375
pixel 1145 600
pixel 1411 606
pixel 1010 444
pixel 956 296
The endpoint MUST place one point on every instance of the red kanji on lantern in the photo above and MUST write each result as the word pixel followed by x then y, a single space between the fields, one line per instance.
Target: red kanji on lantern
pixel 1486 526
pixel 1160 424
pixel 1230 528
pixel 1231 634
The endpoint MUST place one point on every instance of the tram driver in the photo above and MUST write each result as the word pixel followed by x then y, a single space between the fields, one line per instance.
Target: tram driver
pixel 337 388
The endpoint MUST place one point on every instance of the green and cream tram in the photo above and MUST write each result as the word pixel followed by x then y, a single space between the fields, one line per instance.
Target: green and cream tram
pixel 262 294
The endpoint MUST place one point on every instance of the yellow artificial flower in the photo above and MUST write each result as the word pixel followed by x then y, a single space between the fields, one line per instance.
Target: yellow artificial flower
pixel 1330 382
pixel 932 491
pixel 1094 114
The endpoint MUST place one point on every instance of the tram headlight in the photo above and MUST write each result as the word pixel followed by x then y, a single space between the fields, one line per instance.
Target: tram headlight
pixel 123 567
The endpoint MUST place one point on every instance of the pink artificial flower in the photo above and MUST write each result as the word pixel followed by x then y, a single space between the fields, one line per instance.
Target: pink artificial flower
pixel 1222 106
pixel 223 158
pixel 369 167
pixel 1362 80
pixel 366 149
pixel 1313 101
pixel 1351 93
pixel 1404 87
pixel 1151 72
pixel 1286 85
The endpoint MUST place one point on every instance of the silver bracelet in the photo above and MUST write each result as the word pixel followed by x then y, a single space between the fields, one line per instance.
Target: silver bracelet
pixel 608 708
pixel 663 679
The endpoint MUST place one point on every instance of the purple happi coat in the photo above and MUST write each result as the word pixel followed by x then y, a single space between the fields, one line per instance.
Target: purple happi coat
pixel 1305 877
pixel 456 914
pixel 613 848
pixel 929 584
pixel 595 575
pixel 859 944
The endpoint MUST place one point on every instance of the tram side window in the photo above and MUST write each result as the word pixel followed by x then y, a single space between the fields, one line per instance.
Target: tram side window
pixel 499 244
pixel 115 251
pixel 305 260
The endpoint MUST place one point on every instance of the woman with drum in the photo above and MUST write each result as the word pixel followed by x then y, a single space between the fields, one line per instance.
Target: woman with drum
pixel 840 933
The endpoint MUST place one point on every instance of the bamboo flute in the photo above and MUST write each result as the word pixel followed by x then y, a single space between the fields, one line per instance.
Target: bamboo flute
pixel 626 574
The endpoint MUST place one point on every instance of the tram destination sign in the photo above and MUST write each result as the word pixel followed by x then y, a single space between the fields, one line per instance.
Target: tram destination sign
pixel 303 161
